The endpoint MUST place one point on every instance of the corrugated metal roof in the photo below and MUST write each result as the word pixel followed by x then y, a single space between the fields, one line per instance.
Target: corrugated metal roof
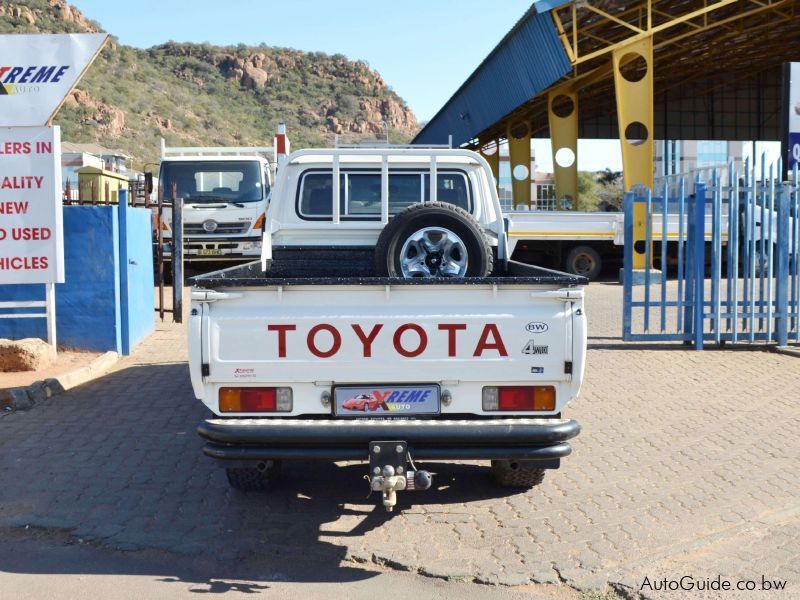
pixel 546 5
pixel 528 60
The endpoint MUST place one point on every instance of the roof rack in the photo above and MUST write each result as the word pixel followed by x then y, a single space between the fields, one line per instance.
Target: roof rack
pixel 381 144
pixel 212 151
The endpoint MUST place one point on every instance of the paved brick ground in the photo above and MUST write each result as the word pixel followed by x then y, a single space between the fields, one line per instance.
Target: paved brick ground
pixel 688 464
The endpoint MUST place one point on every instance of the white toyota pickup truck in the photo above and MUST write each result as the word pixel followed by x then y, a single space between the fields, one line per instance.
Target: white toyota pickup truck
pixel 386 323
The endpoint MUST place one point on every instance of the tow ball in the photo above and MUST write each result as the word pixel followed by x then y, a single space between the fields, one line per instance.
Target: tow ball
pixel 389 471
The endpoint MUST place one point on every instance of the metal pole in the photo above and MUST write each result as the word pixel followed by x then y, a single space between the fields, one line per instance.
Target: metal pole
pixel 648 255
pixel 335 191
pixel 627 276
pixel 177 257
pixel 160 251
pixel 384 189
pixel 699 264
pixel 122 213
pixel 782 268
pixel 50 310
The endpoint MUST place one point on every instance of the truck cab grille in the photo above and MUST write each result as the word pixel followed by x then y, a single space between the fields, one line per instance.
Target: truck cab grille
pixel 222 229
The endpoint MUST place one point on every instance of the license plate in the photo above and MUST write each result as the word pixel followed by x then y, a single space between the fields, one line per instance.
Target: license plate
pixel 386 400
pixel 208 252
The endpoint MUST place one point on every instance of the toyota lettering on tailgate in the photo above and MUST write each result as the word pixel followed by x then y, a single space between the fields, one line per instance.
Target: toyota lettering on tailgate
pixel 408 340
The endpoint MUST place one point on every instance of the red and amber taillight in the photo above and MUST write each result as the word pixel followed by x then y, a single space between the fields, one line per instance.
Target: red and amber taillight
pixel 255 399
pixel 520 398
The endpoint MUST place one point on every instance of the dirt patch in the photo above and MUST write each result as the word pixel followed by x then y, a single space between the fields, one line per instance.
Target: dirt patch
pixel 65 362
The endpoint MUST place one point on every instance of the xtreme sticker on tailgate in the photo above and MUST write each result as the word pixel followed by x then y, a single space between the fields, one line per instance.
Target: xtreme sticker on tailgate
pixel 382 400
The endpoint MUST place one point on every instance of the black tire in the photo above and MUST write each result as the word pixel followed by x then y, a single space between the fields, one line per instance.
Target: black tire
pixel 251 479
pixel 519 474
pixel 433 214
pixel 585 261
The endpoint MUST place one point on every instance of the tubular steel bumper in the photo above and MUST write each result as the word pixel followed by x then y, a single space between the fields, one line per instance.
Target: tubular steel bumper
pixel 329 439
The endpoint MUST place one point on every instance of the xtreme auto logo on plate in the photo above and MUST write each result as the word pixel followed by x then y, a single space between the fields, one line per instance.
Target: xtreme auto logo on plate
pixel 375 401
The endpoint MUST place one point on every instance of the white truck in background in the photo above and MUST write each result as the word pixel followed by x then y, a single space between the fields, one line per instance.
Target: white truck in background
pixel 225 192
pixel 386 322
pixel 583 243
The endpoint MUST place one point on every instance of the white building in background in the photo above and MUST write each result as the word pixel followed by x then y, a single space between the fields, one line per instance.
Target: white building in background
pixel 542 184
pixel 693 157
pixel 688 158
pixel 76 156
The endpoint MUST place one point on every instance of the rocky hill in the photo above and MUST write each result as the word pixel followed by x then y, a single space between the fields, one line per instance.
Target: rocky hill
pixel 200 94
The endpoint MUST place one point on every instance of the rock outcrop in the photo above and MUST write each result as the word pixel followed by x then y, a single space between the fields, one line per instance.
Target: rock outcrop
pixel 58 10
pixel 108 121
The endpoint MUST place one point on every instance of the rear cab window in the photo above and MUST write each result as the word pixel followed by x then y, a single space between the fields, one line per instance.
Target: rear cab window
pixel 360 192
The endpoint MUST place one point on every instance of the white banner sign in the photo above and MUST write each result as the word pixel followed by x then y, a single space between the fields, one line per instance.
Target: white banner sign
pixel 38 70
pixel 31 244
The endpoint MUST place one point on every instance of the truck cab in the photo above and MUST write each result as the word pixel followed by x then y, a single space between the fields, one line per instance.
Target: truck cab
pixel 375 185
pixel 225 193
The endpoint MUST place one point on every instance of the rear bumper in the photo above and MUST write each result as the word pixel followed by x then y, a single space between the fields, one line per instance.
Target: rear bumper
pixel 544 440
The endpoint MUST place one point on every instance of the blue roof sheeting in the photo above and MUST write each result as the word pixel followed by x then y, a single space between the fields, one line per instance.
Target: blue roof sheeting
pixel 528 60
pixel 546 5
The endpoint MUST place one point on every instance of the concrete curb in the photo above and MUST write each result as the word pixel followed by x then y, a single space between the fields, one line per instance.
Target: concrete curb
pixel 24 398
pixel 791 351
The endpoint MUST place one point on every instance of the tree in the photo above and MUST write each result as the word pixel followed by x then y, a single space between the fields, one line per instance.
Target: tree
pixel 607 176
pixel 610 195
pixel 587 192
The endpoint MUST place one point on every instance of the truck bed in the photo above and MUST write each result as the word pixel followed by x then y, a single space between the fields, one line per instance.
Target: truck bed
pixel 317 268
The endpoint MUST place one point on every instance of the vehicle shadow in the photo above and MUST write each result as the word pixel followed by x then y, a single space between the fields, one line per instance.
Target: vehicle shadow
pixel 116 464
pixel 669 346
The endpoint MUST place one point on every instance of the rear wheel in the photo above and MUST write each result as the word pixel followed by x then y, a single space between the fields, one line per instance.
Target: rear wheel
pixel 254 479
pixel 520 474
pixel 585 261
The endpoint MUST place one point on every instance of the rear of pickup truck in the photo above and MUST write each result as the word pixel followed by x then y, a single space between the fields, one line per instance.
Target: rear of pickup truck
pixel 333 368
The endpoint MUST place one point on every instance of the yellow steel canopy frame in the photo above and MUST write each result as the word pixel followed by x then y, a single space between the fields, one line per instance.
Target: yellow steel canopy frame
pixel 635 117
pixel 519 154
pixel 627 35
pixel 599 37
pixel 564 140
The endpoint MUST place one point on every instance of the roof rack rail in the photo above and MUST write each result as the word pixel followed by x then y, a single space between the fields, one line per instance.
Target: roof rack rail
pixel 382 144
pixel 213 151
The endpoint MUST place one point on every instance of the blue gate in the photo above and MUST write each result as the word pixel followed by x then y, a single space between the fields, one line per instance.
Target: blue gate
pixel 727 250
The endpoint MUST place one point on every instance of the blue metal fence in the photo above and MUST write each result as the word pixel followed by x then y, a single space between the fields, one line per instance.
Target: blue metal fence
pixel 723 261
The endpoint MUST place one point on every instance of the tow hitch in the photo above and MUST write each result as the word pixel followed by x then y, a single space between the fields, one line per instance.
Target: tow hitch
pixel 389 471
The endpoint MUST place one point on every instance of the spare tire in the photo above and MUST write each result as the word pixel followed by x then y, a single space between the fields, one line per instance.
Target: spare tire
pixel 433 239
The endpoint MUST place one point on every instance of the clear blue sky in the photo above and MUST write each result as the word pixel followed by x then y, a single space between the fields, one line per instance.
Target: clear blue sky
pixel 424 49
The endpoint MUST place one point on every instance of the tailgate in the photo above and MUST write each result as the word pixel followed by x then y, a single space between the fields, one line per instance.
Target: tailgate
pixel 460 338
